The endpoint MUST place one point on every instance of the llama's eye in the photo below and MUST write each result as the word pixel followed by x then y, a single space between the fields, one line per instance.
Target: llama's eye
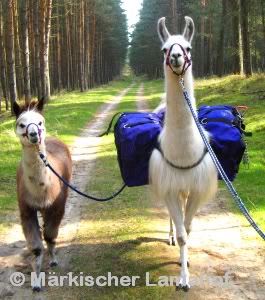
pixel 22 126
pixel 188 49
pixel 40 123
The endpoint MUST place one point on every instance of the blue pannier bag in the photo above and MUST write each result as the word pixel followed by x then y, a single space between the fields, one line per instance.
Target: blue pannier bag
pixel 136 137
pixel 225 125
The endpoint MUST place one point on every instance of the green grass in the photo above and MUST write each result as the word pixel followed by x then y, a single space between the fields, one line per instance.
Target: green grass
pixel 237 90
pixel 65 115
pixel 153 92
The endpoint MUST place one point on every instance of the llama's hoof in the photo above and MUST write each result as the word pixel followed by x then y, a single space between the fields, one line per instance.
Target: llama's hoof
pixel 178 287
pixel 53 264
pixel 185 288
pixel 36 289
pixel 172 241
pixel 180 264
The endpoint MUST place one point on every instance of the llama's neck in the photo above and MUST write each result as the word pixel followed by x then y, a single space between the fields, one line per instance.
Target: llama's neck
pixel 35 172
pixel 180 138
pixel 178 114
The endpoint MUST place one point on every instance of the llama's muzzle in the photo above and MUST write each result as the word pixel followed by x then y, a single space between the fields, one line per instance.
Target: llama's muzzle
pixel 173 60
pixel 33 133
pixel 176 60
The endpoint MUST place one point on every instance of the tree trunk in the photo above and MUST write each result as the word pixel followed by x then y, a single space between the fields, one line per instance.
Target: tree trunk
pixel 235 35
pixel 3 59
pixel 245 37
pixel 37 43
pixel 92 48
pixel 46 48
pixel 17 51
pixel 25 50
pixel 45 27
pixel 209 42
pixel 81 46
pixel 202 46
pixel 42 6
pixel 58 51
pixel 86 45
pixel 263 26
pixel 221 46
pixel 31 18
pixel 11 55
pixel 174 16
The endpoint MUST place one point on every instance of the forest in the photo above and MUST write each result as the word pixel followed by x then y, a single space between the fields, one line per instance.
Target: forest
pixel 47 46
pixel 230 36
pixel 51 45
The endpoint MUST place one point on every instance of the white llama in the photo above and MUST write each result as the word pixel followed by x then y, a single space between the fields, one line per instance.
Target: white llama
pixel 181 171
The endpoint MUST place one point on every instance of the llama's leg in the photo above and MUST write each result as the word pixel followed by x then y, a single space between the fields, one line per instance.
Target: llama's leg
pixel 175 211
pixel 176 214
pixel 171 238
pixel 184 278
pixel 52 218
pixel 192 206
pixel 31 229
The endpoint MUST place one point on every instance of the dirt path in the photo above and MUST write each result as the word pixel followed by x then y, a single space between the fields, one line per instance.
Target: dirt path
pixel 13 254
pixel 218 244
pixel 141 104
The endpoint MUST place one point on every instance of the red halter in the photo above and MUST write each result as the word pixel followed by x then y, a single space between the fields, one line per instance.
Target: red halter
pixel 187 60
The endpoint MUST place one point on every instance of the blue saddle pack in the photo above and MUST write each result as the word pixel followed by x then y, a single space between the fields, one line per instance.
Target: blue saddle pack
pixel 136 137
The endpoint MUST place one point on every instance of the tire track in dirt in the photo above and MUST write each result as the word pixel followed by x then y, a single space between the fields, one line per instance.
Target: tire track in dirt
pixel 141 103
pixel 13 254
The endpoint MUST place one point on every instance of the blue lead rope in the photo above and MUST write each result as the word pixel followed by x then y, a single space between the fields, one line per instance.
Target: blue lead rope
pixel 221 171
pixel 43 158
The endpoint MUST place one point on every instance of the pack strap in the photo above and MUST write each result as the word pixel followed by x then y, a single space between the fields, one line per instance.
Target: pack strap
pixel 205 151
pixel 110 125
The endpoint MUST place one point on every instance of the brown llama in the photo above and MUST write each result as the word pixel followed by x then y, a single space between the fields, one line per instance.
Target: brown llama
pixel 38 189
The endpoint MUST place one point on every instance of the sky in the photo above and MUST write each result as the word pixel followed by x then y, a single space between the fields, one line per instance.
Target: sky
pixel 132 8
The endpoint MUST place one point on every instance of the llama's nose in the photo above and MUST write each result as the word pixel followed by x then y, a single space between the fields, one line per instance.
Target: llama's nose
pixel 176 55
pixel 175 60
pixel 33 134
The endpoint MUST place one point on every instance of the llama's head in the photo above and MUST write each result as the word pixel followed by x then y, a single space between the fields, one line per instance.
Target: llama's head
pixel 176 47
pixel 30 123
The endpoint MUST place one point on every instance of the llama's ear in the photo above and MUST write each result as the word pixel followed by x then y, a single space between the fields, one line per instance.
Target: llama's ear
pixel 40 104
pixel 16 109
pixel 189 29
pixel 162 30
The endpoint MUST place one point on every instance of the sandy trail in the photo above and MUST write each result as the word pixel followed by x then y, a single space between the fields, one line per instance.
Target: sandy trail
pixel 141 104
pixel 220 244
